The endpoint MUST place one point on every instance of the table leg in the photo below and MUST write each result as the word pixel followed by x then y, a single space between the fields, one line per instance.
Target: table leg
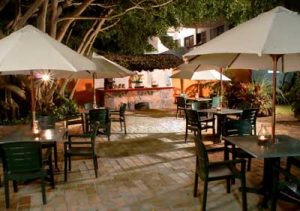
pixel 55 156
pixel 268 179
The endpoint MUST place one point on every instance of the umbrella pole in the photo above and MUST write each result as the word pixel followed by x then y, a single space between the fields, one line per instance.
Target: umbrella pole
pixel 32 98
pixel 221 89
pixel 181 86
pixel 94 92
pixel 275 59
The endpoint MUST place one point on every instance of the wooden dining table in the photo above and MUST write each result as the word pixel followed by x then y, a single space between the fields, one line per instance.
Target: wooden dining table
pixel 271 153
pixel 48 137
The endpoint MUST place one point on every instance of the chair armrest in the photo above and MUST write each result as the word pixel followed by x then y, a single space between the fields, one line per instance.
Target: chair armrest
pixel 76 143
pixel 227 162
pixel 87 135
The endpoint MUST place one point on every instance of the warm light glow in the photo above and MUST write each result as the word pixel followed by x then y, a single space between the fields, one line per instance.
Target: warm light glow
pixel 46 77
pixel 48 134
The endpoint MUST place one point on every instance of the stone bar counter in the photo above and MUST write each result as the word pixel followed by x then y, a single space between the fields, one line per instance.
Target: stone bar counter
pixel 154 97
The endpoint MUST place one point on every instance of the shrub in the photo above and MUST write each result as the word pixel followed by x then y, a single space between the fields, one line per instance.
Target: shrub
pixel 294 96
pixel 249 95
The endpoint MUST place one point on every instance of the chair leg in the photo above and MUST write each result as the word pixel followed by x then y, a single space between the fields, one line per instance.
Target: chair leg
pixel 70 165
pixel 125 126
pixel 204 197
pixel 95 165
pixel 196 185
pixel 186 134
pixel 65 167
pixel 55 156
pixel 244 196
pixel 6 193
pixel 249 164
pixel 51 172
pixel 43 190
pixel 15 186
pixel 121 125
pixel 228 185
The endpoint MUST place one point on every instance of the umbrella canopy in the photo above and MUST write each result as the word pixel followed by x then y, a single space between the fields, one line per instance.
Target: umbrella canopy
pixel 30 49
pixel 269 41
pixel 200 75
pixel 105 68
pixel 196 71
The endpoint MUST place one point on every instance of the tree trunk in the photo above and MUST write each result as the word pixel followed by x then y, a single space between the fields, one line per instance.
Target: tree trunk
pixel 74 14
pixel 42 17
pixel 3 3
pixel 32 9
pixel 53 20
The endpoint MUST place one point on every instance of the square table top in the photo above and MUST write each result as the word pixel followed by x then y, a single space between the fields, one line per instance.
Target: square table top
pixel 25 133
pixel 222 111
pixel 284 146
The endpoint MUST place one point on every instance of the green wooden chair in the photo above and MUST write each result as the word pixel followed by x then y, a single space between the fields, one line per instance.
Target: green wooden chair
pixel 102 116
pixel 195 123
pixel 220 170
pixel 215 101
pixel 22 161
pixel 77 148
pixel 238 127
pixel 44 123
pixel 119 116
pixel 251 115
pixel 182 104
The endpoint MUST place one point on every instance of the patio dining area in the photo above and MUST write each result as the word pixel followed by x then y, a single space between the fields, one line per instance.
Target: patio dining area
pixel 150 168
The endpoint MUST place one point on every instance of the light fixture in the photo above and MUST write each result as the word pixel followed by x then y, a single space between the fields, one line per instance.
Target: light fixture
pixel 46 77
pixel 263 135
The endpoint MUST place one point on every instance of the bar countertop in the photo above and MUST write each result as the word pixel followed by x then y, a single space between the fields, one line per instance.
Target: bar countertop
pixel 134 89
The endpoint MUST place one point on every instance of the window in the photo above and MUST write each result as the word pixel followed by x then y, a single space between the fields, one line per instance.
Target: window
pixel 201 38
pixel 189 41
pixel 216 31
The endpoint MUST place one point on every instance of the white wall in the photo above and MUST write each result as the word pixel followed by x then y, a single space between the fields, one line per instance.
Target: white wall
pixel 160 77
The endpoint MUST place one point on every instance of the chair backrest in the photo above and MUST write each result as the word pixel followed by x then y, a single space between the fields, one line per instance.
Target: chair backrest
pixel 215 101
pixel 202 158
pixel 21 157
pixel 122 109
pixel 46 122
pixel 197 105
pixel 250 114
pixel 181 101
pixel 88 106
pixel 94 130
pixel 192 118
pixel 74 119
pixel 99 115
pixel 238 127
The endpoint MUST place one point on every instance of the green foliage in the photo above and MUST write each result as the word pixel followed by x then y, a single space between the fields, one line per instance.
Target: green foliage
pixel 64 107
pixel 250 95
pixel 294 96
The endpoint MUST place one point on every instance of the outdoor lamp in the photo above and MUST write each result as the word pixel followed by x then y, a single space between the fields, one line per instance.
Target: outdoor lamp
pixel 46 77
pixel 48 134
pixel 263 135
pixel 35 127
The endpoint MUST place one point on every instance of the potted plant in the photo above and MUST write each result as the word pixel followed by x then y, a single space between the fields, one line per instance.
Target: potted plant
pixel 137 80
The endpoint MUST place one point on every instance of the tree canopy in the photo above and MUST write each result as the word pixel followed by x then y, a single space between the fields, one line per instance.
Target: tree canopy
pixel 123 26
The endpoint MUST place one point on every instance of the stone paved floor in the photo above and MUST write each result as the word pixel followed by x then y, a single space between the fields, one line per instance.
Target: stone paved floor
pixel 151 168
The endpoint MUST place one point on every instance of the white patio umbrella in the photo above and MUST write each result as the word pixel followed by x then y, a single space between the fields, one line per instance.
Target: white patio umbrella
pixel 269 41
pixel 199 72
pixel 30 49
pixel 105 68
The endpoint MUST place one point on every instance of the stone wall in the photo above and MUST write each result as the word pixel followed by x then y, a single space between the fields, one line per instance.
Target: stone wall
pixel 158 98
